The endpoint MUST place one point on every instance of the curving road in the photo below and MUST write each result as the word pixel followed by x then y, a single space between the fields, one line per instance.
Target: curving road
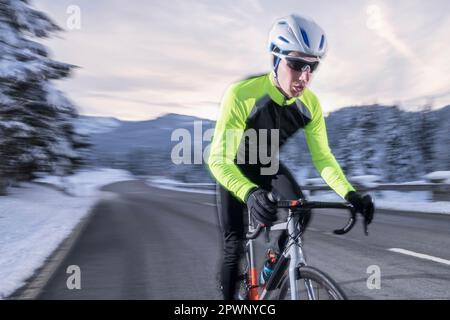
pixel 150 243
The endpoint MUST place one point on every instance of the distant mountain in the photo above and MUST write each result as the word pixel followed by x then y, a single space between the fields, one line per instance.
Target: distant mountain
pixel 91 125
pixel 144 147
pixel 375 139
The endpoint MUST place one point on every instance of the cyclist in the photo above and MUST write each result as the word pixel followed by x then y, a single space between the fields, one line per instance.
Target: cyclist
pixel 281 103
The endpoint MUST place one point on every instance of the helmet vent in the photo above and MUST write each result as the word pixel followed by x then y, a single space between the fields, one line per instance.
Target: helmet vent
pixel 305 37
pixel 283 39
pixel 322 42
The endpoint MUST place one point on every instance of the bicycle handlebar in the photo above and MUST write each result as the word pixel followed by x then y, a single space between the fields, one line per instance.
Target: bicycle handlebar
pixel 304 204
pixel 255 233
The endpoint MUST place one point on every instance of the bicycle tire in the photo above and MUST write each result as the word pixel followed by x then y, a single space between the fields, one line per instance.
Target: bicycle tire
pixel 314 274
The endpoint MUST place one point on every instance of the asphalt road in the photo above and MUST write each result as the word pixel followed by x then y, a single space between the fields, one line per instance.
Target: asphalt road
pixel 150 243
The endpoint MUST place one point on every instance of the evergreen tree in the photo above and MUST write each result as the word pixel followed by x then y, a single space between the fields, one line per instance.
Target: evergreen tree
pixel 441 146
pixel 349 153
pixel 393 144
pixel 36 119
pixel 401 157
pixel 368 146
pixel 425 138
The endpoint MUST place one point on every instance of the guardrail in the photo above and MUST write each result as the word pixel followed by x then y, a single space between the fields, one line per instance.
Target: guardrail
pixel 439 191
pixel 179 184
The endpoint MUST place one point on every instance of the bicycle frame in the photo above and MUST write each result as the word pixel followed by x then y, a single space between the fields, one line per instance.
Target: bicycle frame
pixel 292 257
pixel 252 271
pixel 293 253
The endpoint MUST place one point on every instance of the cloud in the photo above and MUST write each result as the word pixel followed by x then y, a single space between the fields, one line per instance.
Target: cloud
pixel 378 23
pixel 174 56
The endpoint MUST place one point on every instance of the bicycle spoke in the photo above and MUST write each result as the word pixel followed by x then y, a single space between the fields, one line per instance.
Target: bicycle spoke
pixel 310 289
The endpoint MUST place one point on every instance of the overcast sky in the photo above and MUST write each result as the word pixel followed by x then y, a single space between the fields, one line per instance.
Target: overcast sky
pixel 139 59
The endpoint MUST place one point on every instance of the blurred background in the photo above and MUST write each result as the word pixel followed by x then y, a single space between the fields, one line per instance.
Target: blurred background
pixel 141 70
pixel 92 91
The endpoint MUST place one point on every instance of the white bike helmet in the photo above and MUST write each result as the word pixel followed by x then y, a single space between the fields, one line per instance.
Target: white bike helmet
pixel 299 34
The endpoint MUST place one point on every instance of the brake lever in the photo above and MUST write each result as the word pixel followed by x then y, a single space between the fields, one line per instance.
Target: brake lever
pixel 350 224
pixel 366 222
pixel 366 227
pixel 267 234
pixel 254 234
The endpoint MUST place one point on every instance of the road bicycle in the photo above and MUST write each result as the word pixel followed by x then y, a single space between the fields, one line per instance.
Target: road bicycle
pixel 291 278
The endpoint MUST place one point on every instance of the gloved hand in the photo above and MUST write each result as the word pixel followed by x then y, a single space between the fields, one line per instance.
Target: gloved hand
pixel 363 204
pixel 260 207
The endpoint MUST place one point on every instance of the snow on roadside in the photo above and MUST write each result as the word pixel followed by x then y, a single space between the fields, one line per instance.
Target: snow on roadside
pixel 35 219
pixel 439 176
pixel 414 201
pixel 84 183
pixel 170 184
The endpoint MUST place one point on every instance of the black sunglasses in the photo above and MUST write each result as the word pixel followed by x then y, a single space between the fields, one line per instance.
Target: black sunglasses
pixel 299 65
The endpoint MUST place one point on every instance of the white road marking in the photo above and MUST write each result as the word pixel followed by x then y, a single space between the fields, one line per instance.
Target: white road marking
pixel 179 189
pixel 208 204
pixel 420 255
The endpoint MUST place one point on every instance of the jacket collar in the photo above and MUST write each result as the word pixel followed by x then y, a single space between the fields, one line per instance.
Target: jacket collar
pixel 276 94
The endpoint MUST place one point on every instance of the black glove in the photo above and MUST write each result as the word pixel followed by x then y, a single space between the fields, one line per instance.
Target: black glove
pixel 362 204
pixel 260 207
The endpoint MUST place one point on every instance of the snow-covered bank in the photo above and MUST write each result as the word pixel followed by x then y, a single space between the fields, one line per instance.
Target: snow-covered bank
pixel 35 219
pixel 415 201
pixel 412 201
pixel 85 183
pixel 171 184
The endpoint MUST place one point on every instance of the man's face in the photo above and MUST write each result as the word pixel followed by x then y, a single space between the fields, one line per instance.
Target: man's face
pixel 292 82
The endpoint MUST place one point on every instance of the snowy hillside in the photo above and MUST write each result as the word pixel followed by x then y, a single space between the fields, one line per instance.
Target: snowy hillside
pixel 95 125
pixel 366 140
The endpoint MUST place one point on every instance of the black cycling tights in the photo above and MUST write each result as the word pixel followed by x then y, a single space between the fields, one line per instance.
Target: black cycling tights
pixel 233 222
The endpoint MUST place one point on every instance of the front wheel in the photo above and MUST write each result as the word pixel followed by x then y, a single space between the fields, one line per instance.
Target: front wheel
pixel 312 285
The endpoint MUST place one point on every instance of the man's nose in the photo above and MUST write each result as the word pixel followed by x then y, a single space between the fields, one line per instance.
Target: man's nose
pixel 305 76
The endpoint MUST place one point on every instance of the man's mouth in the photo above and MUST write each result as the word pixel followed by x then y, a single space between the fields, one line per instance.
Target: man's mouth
pixel 298 88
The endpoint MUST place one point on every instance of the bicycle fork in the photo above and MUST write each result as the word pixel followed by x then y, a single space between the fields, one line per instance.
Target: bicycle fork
pixel 252 277
pixel 252 272
pixel 297 259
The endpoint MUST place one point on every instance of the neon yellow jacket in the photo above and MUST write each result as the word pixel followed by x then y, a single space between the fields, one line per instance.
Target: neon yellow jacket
pixel 256 103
